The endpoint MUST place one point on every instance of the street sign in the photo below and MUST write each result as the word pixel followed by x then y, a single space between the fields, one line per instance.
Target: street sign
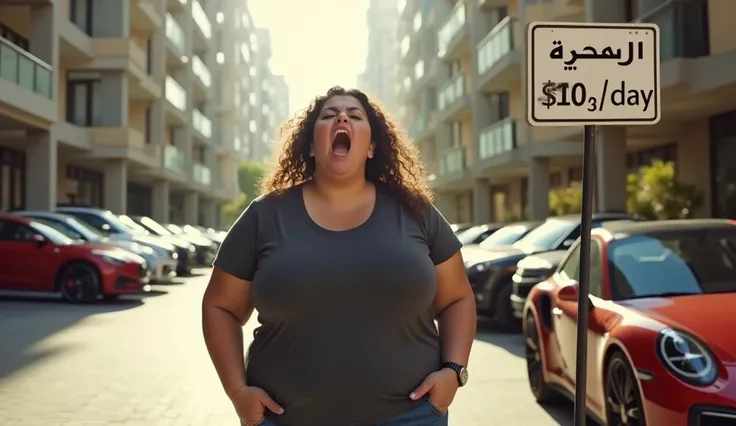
pixel 592 74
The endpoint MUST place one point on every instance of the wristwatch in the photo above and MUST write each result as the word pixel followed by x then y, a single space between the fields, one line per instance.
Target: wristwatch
pixel 462 372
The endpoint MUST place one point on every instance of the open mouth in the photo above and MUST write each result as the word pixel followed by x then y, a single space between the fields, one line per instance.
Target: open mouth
pixel 341 143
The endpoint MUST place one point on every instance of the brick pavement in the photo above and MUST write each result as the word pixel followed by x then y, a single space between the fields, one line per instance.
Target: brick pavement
pixel 133 364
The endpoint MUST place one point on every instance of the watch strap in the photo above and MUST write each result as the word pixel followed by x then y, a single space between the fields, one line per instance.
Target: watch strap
pixel 457 368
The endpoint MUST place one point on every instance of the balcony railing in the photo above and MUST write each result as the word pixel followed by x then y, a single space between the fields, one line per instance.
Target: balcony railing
pixel 497 44
pixel 201 19
pixel 175 93
pixel 201 174
pixel 175 33
pixel 451 28
pixel 201 71
pixel 25 70
pixel 451 93
pixel 173 158
pixel 683 29
pixel 452 161
pixel 418 127
pixel 498 138
pixel 201 123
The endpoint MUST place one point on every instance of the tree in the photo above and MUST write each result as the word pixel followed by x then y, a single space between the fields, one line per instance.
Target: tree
pixel 249 176
pixel 655 193
pixel 564 201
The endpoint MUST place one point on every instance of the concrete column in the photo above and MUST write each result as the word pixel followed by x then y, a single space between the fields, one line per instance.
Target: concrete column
pixel 191 208
pixel 444 204
pixel 611 168
pixel 41 171
pixel 479 26
pixel 43 39
pixel 210 213
pixel 114 86
pixel 482 202
pixel 160 201
pixel 116 186
pixel 605 10
pixel 538 191
pixel 111 18
pixel 158 126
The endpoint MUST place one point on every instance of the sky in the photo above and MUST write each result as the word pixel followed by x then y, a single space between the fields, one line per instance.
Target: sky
pixel 316 44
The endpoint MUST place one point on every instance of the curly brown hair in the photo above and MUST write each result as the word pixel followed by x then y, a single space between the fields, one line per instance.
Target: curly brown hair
pixel 395 165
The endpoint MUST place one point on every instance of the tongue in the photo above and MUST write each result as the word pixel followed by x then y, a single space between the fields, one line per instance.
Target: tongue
pixel 340 148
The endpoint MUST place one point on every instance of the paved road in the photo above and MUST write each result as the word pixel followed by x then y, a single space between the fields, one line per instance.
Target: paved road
pixel 143 363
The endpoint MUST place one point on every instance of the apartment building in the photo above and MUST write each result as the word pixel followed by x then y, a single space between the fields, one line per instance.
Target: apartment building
pixel 462 83
pixel 379 77
pixel 118 104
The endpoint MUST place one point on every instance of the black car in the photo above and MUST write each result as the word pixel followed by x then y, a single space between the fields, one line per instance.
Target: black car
pixel 490 271
pixel 476 234
pixel 531 271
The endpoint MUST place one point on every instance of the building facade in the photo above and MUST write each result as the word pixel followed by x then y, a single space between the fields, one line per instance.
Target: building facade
pixel 121 104
pixel 379 77
pixel 462 83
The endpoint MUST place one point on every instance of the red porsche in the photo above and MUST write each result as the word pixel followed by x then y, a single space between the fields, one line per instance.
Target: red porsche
pixel 662 325
pixel 36 257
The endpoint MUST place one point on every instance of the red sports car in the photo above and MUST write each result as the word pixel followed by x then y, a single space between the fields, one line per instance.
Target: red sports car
pixel 36 257
pixel 662 328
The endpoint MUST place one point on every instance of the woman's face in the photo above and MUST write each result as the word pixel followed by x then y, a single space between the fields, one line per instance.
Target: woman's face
pixel 342 137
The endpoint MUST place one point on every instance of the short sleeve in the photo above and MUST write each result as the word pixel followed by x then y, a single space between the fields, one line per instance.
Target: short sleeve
pixel 238 254
pixel 442 241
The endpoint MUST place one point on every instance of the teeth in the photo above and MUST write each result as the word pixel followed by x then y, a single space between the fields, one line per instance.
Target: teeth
pixel 341 131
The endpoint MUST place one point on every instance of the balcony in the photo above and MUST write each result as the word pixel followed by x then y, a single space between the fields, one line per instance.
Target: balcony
pixel 173 159
pixel 201 71
pixel 452 93
pixel 452 161
pixel 26 82
pixel 122 142
pixel 498 57
pixel 553 10
pixel 176 41
pixel 143 16
pixel 496 139
pixel 202 21
pixel 201 174
pixel 202 124
pixel 175 94
pixel 451 33
pixel 125 54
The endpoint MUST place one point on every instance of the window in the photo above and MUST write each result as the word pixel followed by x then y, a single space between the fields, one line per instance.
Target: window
pixel 570 269
pixel 555 180
pixel 596 269
pixel 456 133
pixel 220 17
pixel 15 232
pixel 12 179
pixel 575 174
pixel 14 38
pixel 79 102
pixel 149 119
pixel 90 186
pixel 80 13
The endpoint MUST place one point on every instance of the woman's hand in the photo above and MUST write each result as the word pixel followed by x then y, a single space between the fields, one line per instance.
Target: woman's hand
pixel 441 387
pixel 251 404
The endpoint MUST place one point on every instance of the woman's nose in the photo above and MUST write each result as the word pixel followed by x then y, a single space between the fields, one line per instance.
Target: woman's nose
pixel 342 118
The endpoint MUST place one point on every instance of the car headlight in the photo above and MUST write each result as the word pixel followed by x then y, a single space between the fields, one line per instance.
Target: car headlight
pixel 192 249
pixel 686 357
pixel 110 258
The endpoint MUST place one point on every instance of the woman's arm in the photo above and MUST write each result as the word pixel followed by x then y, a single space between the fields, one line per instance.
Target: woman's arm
pixel 226 307
pixel 454 303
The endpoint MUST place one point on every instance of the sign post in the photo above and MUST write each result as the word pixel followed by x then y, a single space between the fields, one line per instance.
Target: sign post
pixel 591 74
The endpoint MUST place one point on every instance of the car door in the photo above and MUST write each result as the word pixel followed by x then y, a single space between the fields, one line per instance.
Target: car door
pixel 564 313
pixel 10 278
pixel 28 261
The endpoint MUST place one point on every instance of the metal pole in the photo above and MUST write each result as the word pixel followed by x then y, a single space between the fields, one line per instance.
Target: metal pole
pixel 581 361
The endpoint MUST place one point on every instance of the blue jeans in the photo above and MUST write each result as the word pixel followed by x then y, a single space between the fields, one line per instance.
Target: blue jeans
pixel 425 414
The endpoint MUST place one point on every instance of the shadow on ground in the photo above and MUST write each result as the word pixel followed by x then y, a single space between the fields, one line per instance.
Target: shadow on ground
pixel 489 333
pixel 27 320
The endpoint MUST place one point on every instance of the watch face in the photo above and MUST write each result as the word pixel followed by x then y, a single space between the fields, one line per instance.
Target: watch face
pixel 463 376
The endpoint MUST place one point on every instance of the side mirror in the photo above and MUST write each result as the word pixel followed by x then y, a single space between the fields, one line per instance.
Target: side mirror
pixel 568 243
pixel 569 293
pixel 39 239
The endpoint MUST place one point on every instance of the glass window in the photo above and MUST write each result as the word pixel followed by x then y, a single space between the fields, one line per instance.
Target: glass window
pixel 570 270
pixel 505 236
pixel 596 271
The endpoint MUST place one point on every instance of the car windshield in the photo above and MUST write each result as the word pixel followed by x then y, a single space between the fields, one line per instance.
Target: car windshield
pixel 191 230
pixel 505 236
pixel 115 224
pixel 174 229
pixel 545 236
pixel 155 227
pixel 65 230
pixel 470 235
pixel 135 227
pixel 88 232
pixel 673 264
pixel 50 233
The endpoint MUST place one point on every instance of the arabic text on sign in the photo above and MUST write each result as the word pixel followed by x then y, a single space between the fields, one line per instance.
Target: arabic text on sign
pixel 635 51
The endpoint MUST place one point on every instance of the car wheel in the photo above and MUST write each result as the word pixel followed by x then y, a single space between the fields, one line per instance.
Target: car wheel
pixel 79 283
pixel 623 400
pixel 534 362
pixel 504 313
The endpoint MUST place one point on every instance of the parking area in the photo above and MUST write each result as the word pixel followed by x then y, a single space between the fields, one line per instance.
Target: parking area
pixel 142 361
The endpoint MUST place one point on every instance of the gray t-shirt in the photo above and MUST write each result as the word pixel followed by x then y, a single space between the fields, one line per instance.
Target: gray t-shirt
pixel 347 320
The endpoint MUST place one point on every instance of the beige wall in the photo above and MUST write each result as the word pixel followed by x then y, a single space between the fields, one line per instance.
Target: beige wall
pixel 137 115
pixel 720 18
pixel 17 18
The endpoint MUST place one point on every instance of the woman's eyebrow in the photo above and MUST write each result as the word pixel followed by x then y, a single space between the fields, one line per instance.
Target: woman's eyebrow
pixel 336 110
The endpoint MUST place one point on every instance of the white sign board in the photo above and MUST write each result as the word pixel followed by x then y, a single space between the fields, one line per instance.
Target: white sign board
pixel 592 74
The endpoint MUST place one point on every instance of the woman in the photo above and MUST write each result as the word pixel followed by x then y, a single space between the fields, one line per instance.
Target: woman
pixel 348 264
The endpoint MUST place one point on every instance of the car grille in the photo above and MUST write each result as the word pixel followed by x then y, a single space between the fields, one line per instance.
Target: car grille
pixel 142 271
pixel 525 279
pixel 712 416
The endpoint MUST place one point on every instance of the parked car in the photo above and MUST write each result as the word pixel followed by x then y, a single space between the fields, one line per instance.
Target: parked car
pixel 204 248
pixel 212 233
pixel 660 337
pixel 460 227
pixel 162 263
pixel 36 257
pixel 490 271
pixel 530 271
pixel 501 239
pixel 109 224
pixel 478 233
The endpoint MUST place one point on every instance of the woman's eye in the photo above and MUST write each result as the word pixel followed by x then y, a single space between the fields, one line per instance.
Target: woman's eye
pixel 355 117
pixel 324 117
